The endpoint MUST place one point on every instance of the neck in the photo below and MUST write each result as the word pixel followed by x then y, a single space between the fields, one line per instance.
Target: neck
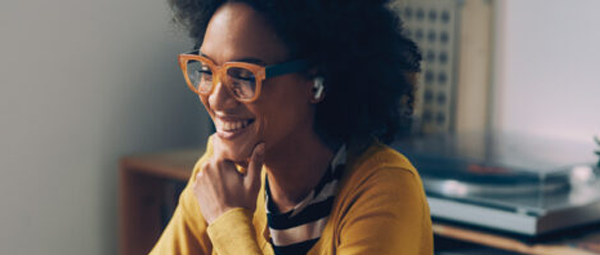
pixel 295 168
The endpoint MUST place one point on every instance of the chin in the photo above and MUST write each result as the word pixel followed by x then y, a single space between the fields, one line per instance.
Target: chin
pixel 239 141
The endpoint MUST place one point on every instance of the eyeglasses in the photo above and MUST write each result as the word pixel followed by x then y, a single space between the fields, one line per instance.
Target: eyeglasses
pixel 243 79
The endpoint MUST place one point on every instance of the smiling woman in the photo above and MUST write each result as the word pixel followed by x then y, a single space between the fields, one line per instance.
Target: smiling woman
pixel 302 94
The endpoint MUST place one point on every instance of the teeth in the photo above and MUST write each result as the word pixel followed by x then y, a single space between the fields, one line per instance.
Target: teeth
pixel 231 125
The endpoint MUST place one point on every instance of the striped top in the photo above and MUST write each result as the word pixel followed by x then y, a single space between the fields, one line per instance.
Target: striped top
pixel 297 230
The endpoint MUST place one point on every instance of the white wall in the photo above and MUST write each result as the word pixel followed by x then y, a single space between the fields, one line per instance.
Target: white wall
pixel 83 82
pixel 548 67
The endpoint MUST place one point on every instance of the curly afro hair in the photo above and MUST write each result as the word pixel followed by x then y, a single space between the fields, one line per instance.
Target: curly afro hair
pixel 368 65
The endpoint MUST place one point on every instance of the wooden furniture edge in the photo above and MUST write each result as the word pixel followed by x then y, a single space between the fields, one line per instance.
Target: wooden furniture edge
pixel 504 243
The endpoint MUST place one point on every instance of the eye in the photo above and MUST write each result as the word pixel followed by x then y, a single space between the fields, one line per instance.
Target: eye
pixel 245 78
pixel 205 70
pixel 240 74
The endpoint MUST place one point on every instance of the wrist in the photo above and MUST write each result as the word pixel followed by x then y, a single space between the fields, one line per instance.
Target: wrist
pixel 220 213
pixel 233 233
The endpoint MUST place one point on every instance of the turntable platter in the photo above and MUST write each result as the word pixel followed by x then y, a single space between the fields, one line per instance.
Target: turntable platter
pixel 476 180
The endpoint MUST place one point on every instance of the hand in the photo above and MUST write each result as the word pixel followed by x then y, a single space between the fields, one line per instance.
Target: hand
pixel 219 187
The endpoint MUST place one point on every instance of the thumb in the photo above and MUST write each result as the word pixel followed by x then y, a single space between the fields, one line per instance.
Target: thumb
pixel 255 165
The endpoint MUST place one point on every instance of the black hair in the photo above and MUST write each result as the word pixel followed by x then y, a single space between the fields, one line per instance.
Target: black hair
pixel 367 63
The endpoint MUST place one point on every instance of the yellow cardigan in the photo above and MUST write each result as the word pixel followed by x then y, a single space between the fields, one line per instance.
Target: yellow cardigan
pixel 380 208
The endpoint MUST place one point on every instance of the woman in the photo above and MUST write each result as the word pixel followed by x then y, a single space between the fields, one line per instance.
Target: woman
pixel 301 94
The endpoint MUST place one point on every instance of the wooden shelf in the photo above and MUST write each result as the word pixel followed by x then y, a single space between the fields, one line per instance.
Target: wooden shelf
pixel 143 181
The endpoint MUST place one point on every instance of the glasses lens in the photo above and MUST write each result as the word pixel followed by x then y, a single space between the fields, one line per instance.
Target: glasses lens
pixel 200 76
pixel 242 82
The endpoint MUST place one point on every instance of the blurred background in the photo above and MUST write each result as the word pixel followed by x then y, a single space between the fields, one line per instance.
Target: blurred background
pixel 545 68
pixel 85 82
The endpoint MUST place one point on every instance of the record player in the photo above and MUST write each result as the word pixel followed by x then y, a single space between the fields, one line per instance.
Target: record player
pixel 513 183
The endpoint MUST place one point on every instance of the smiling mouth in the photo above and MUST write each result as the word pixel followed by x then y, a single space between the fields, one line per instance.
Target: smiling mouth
pixel 231 129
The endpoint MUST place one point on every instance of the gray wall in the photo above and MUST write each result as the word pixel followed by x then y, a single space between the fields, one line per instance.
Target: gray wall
pixel 547 68
pixel 83 82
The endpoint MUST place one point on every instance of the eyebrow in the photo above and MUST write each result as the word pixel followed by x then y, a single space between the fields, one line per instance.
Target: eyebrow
pixel 246 59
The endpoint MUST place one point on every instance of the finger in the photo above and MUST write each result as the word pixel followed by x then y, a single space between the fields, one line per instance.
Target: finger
pixel 255 165
pixel 201 171
pixel 224 167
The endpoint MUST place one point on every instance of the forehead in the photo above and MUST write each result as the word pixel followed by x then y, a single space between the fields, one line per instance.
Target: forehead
pixel 237 31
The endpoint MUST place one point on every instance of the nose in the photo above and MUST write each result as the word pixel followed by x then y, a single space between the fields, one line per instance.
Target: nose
pixel 221 98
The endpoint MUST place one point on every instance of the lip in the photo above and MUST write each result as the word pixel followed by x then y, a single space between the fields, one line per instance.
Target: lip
pixel 235 133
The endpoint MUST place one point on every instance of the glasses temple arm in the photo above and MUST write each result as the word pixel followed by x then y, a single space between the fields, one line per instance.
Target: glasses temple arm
pixel 285 68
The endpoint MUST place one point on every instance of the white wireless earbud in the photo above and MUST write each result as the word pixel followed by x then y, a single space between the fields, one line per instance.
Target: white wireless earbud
pixel 318 87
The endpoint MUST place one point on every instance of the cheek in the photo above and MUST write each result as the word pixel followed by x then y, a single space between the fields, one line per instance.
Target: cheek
pixel 204 100
pixel 283 111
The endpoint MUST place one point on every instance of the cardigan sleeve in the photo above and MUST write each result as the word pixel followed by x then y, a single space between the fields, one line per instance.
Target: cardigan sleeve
pixel 233 233
pixel 388 214
pixel 188 233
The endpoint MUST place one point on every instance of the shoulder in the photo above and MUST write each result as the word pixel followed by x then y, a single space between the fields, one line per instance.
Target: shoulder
pixel 384 175
pixel 383 165
pixel 381 206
